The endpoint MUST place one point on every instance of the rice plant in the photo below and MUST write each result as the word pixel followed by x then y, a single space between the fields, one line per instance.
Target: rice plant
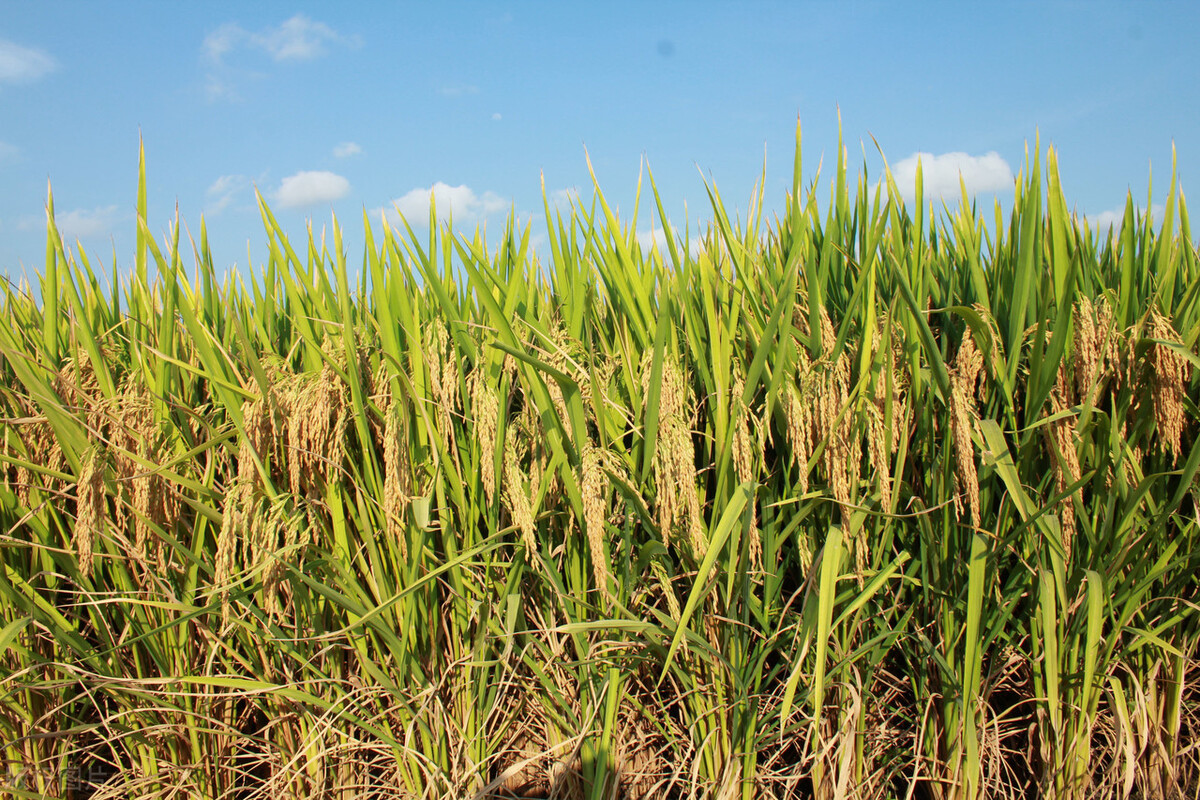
pixel 864 500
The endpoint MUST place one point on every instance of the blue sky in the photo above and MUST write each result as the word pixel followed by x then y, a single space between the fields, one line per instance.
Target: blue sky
pixel 337 108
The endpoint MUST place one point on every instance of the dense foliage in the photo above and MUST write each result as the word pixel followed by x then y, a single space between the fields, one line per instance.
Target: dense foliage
pixel 857 502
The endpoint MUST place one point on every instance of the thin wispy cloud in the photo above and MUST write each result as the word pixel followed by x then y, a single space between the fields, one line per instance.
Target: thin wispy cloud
pixel 458 90
pixel 564 198
pixel 460 202
pixel 656 240
pixel 20 64
pixel 297 39
pixel 311 188
pixel 1112 219
pixel 346 149
pixel 79 223
pixel 8 152
pixel 217 89
pixel 223 191
pixel 940 175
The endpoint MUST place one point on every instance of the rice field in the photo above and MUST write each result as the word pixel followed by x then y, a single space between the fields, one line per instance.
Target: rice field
pixel 859 500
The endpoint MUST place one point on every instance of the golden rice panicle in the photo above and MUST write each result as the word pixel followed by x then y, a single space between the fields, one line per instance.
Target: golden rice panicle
pixel 664 583
pixel 90 508
pixel 993 354
pixel 1086 360
pixel 1168 374
pixel 968 364
pixel 485 409
pixel 677 501
pixel 1060 436
pixel 253 448
pixel 396 476
pixel 743 452
pixel 227 542
pixel 317 411
pixel 295 400
pixel 135 433
pixel 877 451
pixel 76 384
pixel 798 418
pixel 889 396
pixel 272 534
pixel 41 447
pixel 533 449
pixel 746 457
pixel 443 378
pixel 595 513
pixel 557 358
pixel 520 507
pixel 834 425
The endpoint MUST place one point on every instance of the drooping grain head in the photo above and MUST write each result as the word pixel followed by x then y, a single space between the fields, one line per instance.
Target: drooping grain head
pixel 485 410
pixel 1086 359
pixel 317 409
pixel 594 486
pixel 890 407
pixel 135 437
pixel 963 416
pixel 227 545
pixel 833 421
pixel 747 458
pixel 520 507
pixel 253 448
pixel 1060 444
pixel 878 452
pixel 1168 373
pixel 41 447
pixel 90 508
pixel 443 379
pixel 743 447
pixel 397 476
pixel 674 455
pixel 798 427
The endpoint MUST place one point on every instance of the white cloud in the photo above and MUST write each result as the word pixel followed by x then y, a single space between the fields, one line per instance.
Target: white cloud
pixel 940 175
pixel 297 39
pixel 497 116
pixel 461 202
pixel 223 191
pixel 81 223
pixel 656 239
pixel 458 90
pixel 1102 222
pixel 346 149
pixel 1105 219
pixel 222 40
pixel 217 89
pixel 311 188
pixel 84 223
pixel 563 198
pixel 8 152
pixel 20 64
